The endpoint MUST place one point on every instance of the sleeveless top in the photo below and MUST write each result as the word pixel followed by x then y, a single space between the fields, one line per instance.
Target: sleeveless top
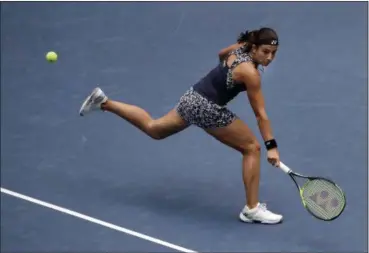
pixel 218 85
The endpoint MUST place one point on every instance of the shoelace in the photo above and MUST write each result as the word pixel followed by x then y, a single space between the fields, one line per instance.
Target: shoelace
pixel 263 207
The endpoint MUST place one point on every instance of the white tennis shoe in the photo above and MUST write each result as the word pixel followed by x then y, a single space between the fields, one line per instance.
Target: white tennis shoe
pixel 93 102
pixel 259 214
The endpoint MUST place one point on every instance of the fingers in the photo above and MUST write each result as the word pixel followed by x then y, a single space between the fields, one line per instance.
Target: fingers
pixel 274 161
pixel 277 163
pixel 273 157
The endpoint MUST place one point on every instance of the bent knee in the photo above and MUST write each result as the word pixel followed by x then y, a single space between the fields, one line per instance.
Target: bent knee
pixel 157 136
pixel 154 131
pixel 251 147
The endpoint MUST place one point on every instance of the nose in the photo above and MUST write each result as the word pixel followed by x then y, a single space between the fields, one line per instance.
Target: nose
pixel 269 59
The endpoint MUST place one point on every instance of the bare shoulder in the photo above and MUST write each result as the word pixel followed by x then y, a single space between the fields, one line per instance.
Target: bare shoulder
pixel 248 74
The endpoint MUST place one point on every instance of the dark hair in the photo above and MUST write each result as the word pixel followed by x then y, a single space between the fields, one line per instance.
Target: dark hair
pixel 262 36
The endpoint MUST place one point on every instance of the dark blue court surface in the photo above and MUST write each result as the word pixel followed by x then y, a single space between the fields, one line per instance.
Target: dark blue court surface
pixel 187 189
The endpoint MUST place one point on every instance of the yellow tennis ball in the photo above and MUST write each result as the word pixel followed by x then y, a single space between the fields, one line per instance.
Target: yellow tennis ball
pixel 51 56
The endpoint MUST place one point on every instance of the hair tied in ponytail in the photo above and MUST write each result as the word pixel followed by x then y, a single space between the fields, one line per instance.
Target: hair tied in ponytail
pixel 243 37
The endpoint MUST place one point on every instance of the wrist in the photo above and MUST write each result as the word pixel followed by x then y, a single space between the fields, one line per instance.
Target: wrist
pixel 270 144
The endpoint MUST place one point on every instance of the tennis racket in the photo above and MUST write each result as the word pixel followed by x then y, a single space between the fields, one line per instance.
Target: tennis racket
pixel 323 198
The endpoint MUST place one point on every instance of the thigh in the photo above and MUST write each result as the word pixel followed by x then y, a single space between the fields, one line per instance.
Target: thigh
pixel 169 124
pixel 198 110
pixel 236 135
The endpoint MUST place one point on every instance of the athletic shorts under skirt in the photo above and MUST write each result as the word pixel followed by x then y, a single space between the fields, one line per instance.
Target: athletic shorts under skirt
pixel 197 110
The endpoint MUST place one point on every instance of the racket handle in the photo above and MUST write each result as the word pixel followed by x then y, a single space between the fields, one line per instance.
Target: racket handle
pixel 284 167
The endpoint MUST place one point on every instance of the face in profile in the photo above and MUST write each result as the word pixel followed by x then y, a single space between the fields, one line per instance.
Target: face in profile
pixel 264 54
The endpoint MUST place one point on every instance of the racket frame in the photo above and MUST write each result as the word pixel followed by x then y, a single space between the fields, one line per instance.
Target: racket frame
pixel 293 174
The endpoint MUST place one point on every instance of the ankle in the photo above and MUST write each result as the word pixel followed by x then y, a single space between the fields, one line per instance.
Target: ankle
pixel 105 106
pixel 251 206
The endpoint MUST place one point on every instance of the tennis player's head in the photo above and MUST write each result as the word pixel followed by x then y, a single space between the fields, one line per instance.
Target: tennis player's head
pixel 262 44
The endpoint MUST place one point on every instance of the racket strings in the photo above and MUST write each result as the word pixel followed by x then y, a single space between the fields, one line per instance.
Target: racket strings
pixel 323 198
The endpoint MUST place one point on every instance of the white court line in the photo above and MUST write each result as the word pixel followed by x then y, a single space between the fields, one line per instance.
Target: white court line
pixel 96 221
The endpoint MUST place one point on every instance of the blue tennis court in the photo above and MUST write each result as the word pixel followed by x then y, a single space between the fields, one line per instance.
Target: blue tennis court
pixel 185 190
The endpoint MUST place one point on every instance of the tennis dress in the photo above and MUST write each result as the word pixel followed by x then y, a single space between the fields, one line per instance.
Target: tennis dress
pixel 204 104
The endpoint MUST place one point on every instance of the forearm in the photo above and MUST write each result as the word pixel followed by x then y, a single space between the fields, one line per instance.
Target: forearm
pixel 225 51
pixel 265 128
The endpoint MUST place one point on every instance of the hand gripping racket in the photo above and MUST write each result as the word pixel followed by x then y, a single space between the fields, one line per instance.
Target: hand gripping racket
pixel 323 198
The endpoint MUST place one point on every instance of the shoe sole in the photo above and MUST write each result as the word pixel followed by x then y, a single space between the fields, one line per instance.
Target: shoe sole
pixel 87 100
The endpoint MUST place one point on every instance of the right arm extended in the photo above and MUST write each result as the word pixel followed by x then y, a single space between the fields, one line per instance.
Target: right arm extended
pixel 251 79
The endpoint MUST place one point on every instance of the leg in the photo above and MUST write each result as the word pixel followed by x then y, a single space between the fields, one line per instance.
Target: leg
pixel 238 136
pixel 157 129
pixel 219 122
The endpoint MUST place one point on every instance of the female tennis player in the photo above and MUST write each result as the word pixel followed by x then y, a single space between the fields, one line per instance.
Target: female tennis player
pixel 204 105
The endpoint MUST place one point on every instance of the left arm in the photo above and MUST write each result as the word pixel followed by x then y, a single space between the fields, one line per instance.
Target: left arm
pixel 225 51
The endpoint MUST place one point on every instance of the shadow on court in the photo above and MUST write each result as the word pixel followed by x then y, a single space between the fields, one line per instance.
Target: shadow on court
pixel 186 189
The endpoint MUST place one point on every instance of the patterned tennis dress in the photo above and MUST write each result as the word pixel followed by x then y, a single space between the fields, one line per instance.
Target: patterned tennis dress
pixel 204 104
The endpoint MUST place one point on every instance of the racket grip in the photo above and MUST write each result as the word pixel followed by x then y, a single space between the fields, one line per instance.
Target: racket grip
pixel 284 167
